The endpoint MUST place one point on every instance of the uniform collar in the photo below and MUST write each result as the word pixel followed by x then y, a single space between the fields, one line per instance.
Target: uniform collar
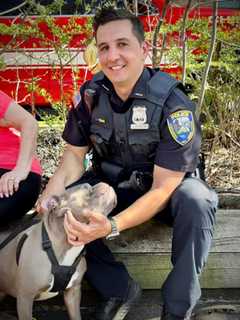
pixel 139 90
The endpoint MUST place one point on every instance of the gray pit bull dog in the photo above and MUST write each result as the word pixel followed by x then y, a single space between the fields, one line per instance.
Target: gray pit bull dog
pixel 30 277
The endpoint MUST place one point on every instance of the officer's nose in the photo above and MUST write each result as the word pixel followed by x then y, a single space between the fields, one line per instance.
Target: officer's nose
pixel 113 54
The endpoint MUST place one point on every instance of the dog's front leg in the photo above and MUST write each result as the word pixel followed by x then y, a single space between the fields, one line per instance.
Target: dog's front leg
pixel 72 297
pixel 24 307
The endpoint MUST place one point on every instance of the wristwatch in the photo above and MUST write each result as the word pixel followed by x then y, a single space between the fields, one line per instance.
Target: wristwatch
pixel 114 232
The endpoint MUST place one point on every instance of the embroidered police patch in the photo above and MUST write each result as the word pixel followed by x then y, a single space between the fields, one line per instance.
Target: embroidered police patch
pixel 181 126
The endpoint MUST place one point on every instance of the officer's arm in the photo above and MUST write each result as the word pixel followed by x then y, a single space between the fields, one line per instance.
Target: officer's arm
pixel 70 169
pixel 164 183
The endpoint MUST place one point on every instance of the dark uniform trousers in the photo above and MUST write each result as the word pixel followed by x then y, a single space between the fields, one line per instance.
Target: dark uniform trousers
pixel 191 212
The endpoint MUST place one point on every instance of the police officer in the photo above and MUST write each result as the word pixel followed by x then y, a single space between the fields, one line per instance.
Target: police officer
pixel 146 140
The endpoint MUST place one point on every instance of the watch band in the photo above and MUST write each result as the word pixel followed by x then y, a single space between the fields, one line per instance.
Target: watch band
pixel 114 231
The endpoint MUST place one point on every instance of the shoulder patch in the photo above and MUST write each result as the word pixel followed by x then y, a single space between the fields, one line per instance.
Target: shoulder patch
pixel 181 126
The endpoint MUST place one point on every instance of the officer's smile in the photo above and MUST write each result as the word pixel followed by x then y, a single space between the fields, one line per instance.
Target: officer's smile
pixel 116 68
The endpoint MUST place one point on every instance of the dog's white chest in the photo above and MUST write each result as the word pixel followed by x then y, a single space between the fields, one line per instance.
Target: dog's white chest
pixel 71 255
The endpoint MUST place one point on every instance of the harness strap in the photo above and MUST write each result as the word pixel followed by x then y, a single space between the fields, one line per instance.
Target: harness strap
pixel 47 246
pixel 19 246
pixel 62 274
pixel 21 227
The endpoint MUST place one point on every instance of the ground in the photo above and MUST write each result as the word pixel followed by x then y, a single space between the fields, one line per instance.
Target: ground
pixel 214 305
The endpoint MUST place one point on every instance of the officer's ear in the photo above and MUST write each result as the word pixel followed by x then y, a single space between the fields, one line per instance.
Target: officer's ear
pixel 145 48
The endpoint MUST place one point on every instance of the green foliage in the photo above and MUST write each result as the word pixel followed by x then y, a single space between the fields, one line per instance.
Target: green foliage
pixel 23 31
pixel 223 82
pixel 2 64
pixel 53 36
pixel 56 118
pixel 35 8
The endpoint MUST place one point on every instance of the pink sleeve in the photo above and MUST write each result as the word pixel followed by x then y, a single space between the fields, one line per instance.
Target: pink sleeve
pixel 5 101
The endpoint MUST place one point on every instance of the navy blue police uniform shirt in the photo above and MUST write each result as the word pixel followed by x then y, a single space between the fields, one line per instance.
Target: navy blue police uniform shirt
pixel 180 136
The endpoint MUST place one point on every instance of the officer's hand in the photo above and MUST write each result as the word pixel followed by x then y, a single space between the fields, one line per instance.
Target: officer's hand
pixel 79 233
pixel 42 205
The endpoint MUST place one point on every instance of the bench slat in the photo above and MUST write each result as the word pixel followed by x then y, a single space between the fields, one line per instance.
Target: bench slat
pixel 146 252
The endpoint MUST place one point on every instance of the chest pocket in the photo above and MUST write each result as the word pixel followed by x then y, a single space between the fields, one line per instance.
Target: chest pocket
pixel 101 128
pixel 101 123
pixel 144 135
pixel 102 131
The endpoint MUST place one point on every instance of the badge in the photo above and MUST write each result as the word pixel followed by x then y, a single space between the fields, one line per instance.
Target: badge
pixel 139 118
pixel 181 126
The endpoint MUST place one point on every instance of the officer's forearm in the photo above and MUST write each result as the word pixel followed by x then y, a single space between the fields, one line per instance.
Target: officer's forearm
pixel 69 170
pixel 143 209
pixel 165 181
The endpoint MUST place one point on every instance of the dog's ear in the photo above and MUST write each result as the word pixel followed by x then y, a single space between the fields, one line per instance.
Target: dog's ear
pixel 53 202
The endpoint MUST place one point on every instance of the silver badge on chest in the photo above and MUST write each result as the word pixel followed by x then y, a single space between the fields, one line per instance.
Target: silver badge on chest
pixel 139 118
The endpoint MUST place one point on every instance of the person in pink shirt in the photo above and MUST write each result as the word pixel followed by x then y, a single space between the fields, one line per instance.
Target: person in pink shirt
pixel 20 170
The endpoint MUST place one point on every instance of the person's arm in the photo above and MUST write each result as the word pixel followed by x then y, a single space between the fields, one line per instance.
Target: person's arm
pixel 71 166
pixel 70 169
pixel 23 121
pixel 164 183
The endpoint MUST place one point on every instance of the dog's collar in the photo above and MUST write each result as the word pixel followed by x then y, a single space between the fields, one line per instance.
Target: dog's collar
pixel 62 274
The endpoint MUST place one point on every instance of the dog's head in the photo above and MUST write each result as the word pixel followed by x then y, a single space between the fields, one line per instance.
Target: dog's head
pixel 99 198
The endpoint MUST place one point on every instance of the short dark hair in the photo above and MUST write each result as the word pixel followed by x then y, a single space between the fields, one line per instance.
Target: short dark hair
pixel 109 14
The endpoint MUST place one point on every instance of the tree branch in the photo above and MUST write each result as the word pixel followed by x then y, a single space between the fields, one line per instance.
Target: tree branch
pixel 184 41
pixel 13 9
pixel 209 59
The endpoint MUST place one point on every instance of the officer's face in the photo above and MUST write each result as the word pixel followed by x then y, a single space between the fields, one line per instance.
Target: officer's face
pixel 120 54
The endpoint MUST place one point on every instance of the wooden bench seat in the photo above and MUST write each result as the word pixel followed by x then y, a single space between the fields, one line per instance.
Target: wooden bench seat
pixel 146 250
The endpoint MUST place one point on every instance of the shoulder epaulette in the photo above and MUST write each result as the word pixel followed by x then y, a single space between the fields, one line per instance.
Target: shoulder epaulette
pixel 160 86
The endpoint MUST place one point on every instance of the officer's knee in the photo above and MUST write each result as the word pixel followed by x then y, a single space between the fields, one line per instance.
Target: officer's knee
pixel 195 204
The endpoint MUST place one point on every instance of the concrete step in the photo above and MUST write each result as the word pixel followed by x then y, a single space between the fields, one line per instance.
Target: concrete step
pixel 214 305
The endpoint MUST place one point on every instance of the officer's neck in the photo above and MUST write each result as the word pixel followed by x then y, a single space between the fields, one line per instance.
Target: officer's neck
pixel 123 90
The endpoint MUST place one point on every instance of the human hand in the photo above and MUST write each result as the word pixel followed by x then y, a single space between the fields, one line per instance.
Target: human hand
pixel 42 205
pixel 9 182
pixel 79 233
